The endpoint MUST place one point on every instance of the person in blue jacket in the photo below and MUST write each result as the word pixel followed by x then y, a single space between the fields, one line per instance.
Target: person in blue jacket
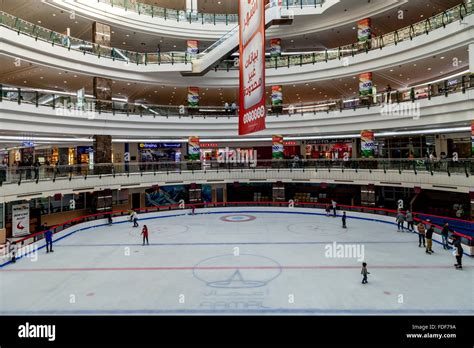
pixel 48 236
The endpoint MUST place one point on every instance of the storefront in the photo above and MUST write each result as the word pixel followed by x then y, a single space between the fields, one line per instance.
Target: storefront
pixel 160 152
pixel 404 147
pixel 291 149
pixel 330 149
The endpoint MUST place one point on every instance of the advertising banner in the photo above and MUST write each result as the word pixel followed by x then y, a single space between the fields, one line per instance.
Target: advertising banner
pixel 252 112
pixel 367 143
pixel 194 149
pixel 193 97
pixel 20 220
pixel 193 48
pixel 277 147
pixel 364 30
pixel 275 47
pixel 365 85
pixel 472 138
pixel 277 96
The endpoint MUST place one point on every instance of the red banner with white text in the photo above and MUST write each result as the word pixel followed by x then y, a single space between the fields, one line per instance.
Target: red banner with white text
pixel 252 110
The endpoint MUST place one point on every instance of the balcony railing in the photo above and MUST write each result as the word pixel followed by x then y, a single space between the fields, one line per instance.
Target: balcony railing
pixel 173 14
pixel 19 174
pixel 391 102
pixel 424 27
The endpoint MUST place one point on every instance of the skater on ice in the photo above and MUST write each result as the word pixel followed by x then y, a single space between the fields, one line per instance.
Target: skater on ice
pixel 134 218
pixel 344 217
pixel 48 236
pixel 364 272
pixel 409 218
pixel 445 235
pixel 429 240
pixel 334 207
pixel 145 235
pixel 421 233
pixel 458 251
pixel 400 219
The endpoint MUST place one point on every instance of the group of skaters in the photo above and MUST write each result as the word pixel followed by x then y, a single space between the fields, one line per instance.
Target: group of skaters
pixel 425 230
pixel 333 207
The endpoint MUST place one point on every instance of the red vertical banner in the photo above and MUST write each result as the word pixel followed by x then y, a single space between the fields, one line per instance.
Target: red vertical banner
pixel 252 110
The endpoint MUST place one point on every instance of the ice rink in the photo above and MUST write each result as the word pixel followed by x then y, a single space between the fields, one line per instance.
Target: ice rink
pixel 238 261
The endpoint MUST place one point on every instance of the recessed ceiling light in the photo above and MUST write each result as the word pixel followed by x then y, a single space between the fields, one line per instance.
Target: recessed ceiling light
pixel 54 14
pixel 124 43
pixel 39 22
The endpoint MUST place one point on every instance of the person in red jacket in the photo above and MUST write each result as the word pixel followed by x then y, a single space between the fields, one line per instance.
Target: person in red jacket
pixel 145 234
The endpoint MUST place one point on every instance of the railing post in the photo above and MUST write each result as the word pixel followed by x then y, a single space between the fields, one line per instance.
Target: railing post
pixel 19 95
pixel 54 101
pixel 1 92
pixel 446 92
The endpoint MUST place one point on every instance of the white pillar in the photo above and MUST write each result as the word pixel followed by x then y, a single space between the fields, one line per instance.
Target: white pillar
pixel 471 58
pixel 191 5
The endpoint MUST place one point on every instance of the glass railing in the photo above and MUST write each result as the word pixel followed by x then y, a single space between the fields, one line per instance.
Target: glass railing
pixel 424 27
pixel 402 100
pixel 86 47
pixel 173 14
pixel 19 174
pixel 302 3
pixel 421 28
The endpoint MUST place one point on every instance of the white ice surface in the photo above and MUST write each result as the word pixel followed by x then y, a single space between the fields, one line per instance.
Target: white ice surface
pixel 190 267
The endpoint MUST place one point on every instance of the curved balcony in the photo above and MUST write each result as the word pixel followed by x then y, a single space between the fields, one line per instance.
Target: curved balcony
pixel 450 105
pixel 44 181
pixel 449 30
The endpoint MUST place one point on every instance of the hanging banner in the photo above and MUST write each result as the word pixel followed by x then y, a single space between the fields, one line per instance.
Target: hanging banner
pixel 193 48
pixel 20 220
pixel 193 97
pixel 277 147
pixel 252 112
pixel 365 85
pixel 275 47
pixel 367 143
pixel 277 96
pixel 472 138
pixel 364 30
pixel 194 149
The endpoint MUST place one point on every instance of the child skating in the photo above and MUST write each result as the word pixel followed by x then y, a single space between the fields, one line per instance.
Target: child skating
pixel 145 235
pixel 364 272
pixel 344 217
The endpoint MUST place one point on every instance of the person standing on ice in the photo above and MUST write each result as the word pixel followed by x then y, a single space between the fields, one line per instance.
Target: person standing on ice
pixel 145 235
pixel 421 233
pixel 328 210
pixel 193 208
pixel 400 219
pixel 445 235
pixel 134 218
pixel 458 251
pixel 344 220
pixel 48 236
pixel 364 272
pixel 429 240
pixel 12 249
pixel 334 207
pixel 409 218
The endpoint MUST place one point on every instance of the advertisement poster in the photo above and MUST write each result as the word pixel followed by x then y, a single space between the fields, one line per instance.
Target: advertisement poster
pixel 193 48
pixel 365 85
pixel 193 97
pixel 166 195
pixel 277 147
pixel 277 96
pixel 364 30
pixel 194 149
pixel 275 48
pixel 367 143
pixel 252 112
pixel 20 220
